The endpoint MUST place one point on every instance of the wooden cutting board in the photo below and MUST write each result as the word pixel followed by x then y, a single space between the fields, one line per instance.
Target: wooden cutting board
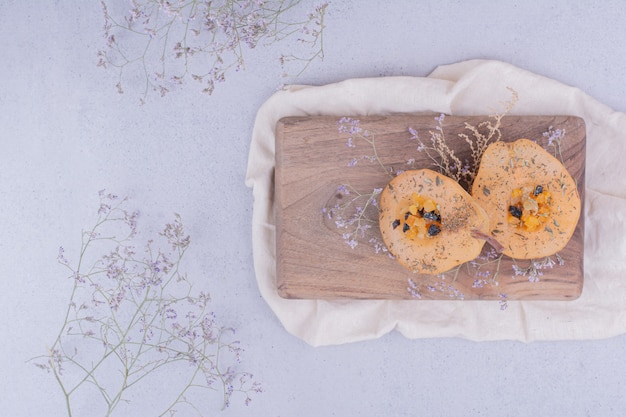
pixel 316 163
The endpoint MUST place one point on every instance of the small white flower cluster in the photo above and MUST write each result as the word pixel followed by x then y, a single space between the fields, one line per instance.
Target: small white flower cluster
pixel 534 271
pixel 436 283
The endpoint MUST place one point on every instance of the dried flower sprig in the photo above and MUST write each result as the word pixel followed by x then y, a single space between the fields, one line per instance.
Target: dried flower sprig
pixel 445 159
pixel 535 267
pixel 312 31
pixel 504 301
pixel 437 283
pixel 555 136
pixel 481 268
pixel 353 128
pixel 442 156
pixel 355 215
pixel 132 313
pixel 203 40
pixel 359 211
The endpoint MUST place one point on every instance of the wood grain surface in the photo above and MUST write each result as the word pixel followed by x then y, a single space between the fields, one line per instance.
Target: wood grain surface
pixel 314 161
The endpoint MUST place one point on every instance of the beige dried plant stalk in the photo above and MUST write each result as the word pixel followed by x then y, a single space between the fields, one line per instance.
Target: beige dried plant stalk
pixel 479 141
pixel 478 138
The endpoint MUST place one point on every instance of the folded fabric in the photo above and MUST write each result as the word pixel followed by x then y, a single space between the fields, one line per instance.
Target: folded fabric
pixel 465 89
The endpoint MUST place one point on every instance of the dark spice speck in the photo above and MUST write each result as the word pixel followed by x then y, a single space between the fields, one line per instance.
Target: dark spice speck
pixel 433 230
pixel 515 211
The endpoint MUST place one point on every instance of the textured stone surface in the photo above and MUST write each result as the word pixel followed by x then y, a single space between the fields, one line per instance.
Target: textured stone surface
pixel 66 134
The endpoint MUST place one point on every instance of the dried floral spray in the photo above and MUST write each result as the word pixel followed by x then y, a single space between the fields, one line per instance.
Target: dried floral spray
pixel 169 42
pixel 132 315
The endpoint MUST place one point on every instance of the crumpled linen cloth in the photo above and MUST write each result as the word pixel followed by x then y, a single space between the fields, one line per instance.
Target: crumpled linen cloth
pixel 475 87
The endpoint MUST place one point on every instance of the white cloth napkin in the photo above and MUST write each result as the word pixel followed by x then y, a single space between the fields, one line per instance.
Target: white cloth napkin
pixel 474 87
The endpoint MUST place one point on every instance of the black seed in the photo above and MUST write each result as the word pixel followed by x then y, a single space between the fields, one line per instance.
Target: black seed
pixel 405 228
pixel 433 230
pixel 431 215
pixel 396 223
pixel 515 211
pixel 538 190
pixel 406 215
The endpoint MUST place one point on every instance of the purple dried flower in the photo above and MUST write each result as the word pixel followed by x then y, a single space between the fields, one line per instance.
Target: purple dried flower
pixel 170 314
pixel 379 246
pixel 554 135
pixel 61 256
pixel 478 283
pixel 80 278
pixel 413 289
pixel 503 301
pixel 559 259
pixel 349 125
pixel 344 189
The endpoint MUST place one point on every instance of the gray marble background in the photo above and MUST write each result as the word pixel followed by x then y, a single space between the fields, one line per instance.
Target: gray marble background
pixel 66 134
